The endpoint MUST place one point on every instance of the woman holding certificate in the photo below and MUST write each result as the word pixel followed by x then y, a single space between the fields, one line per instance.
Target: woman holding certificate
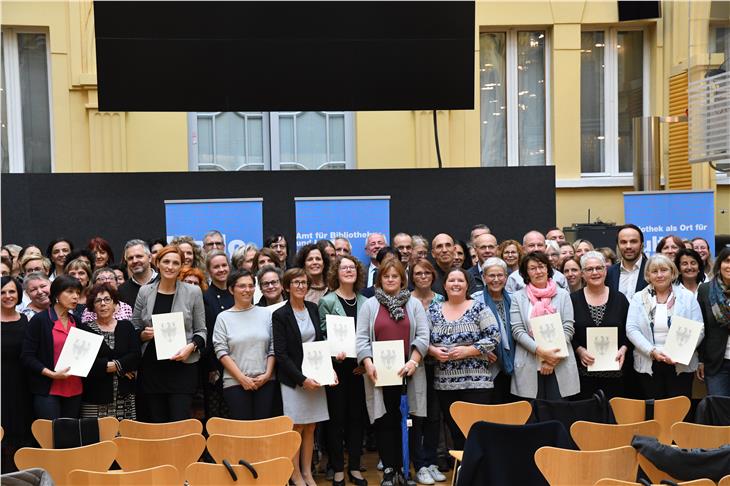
pixel 647 326
pixel 304 399
pixel 243 343
pixel 56 394
pixel 346 278
pixel 602 310
pixel 545 371
pixel 392 315
pixel 168 384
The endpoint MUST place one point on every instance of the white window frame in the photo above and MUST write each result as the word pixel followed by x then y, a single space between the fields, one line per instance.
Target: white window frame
pixel 610 101
pixel 14 109
pixel 272 159
pixel 512 88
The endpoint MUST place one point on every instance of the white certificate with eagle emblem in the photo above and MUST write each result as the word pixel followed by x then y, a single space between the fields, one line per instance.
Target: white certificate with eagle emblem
pixel 602 344
pixel 169 334
pixel 388 360
pixel 682 339
pixel 317 363
pixel 79 352
pixel 341 335
pixel 548 333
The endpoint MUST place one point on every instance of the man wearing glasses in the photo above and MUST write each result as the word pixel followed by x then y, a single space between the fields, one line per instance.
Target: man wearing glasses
pixel 213 240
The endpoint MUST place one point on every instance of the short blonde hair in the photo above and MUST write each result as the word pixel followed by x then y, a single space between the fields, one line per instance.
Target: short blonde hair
pixel 660 260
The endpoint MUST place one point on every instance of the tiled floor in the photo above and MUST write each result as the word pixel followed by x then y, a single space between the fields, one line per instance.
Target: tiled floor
pixel 370 460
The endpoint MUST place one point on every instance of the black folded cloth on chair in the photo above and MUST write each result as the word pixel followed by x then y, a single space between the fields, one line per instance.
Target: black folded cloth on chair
pixel 27 477
pixel 69 432
pixel 713 410
pixel 685 464
pixel 594 409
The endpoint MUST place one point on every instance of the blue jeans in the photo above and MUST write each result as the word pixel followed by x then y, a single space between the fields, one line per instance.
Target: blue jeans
pixel 52 406
pixel 719 384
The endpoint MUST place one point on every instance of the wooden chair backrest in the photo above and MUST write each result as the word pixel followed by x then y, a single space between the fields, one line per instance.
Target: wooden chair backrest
pixel 159 476
pixel 42 430
pixel 467 414
pixel 591 436
pixel 654 474
pixel 253 449
pixel 692 436
pixel 249 428
pixel 568 467
pixel 667 412
pixel 136 454
pixel 616 482
pixel 274 471
pixel 144 430
pixel 59 462
pixel 725 481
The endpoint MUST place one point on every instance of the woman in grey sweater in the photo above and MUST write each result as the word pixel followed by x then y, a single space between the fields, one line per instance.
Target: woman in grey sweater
pixel 243 343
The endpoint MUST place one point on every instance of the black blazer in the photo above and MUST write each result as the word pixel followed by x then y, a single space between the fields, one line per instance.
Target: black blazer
pixel 288 342
pixel 712 348
pixel 99 385
pixel 37 350
pixel 617 308
pixel 613 275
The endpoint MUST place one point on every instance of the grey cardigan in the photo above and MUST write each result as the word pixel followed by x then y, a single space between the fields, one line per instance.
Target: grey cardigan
pixel 188 299
pixel 419 340
pixel 524 379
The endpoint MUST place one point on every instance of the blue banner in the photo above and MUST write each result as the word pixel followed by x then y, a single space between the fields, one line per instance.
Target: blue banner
pixel 353 218
pixel 239 220
pixel 686 214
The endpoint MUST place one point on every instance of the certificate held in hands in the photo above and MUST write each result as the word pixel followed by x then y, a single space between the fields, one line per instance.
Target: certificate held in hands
pixel 317 363
pixel 602 344
pixel 79 352
pixel 548 333
pixel 341 335
pixel 388 360
pixel 682 339
pixel 169 334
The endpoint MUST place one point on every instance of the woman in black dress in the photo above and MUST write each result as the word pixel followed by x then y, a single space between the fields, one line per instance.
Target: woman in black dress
pixel 16 403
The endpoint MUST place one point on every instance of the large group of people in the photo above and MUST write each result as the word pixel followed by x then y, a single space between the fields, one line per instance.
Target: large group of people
pixel 464 316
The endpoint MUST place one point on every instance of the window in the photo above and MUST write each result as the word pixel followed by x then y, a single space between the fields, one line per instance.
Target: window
pixel 513 101
pixel 25 141
pixel 613 72
pixel 300 140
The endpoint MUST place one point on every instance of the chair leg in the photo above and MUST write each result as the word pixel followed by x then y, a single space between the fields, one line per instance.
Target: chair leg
pixel 455 472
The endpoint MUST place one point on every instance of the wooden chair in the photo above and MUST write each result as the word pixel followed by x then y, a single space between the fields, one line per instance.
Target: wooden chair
pixel 692 436
pixel 159 476
pixel 654 474
pixel 249 428
pixel 43 430
pixel 591 436
pixel 253 449
pixel 725 481
pixel 616 482
pixel 59 462
pixel 144 430
pixel 274 471
pixel 568 467
pixel 136 454
pixel 666 412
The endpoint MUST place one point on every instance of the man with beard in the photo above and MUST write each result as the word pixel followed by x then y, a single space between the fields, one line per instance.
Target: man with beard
pixel 137 256
pixel 627 276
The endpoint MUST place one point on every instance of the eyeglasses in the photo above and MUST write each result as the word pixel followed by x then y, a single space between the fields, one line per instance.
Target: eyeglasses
pixel 348 268
pixel 214 244
pixel 278 246
pixel 299 283
pixel 103 300
pixel 593 269
pixel 422 274
pixel 510 252
pixel 270 283
pixel 105 279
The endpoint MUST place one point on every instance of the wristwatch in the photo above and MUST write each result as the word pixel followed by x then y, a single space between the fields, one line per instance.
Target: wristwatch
pixel 415 363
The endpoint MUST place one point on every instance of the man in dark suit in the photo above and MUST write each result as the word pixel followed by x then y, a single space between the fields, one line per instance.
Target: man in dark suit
pixel 486 247
pixel 627 276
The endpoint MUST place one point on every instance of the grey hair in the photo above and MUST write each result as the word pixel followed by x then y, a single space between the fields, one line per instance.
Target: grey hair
pixel 419 240
pixel 342 238
pixel 591 254
pixel 494 262
pixel 212 233
pixel 657 260
pixel 266 269
pixel 33 276
pixel 240 254
pixel 136 242
pixel 212 254
pixel 552 244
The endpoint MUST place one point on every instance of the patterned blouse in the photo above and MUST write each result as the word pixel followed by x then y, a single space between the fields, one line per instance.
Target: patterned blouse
pixel 477 328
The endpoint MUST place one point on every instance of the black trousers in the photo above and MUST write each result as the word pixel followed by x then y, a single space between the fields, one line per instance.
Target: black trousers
pixel 425 430
pixel 665 382
pixel 612 387
pixel 482 396
pixel 168 407
pixel 501 391
pixel 547 387
pixel 347 417
pixel 388 430
pixel 251 404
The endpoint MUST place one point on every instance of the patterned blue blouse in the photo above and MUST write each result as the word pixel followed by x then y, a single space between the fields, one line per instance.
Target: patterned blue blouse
pixel 478 328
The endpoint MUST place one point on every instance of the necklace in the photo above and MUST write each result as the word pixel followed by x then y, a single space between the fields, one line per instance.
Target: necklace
pixel 347 301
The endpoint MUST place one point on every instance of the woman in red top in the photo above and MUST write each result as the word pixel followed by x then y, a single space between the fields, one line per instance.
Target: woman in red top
pixel 56 394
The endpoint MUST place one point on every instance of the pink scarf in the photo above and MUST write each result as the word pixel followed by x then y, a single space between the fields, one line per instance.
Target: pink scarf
pixel 540 298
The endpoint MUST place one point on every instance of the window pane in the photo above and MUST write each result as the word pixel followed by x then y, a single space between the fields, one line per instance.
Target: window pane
pixel 630 91
pixel 255 142
pixel 531 97
pixel 592 117
pixel 286 139
pixel 230 144
pixel 493 101
pixel 33 69
pixel 337 137
pixel 4 114
pixel 205 141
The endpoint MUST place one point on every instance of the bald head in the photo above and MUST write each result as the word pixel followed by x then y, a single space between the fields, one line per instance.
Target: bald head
pixel 485 246
pixel 533 241
pixel 442 250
